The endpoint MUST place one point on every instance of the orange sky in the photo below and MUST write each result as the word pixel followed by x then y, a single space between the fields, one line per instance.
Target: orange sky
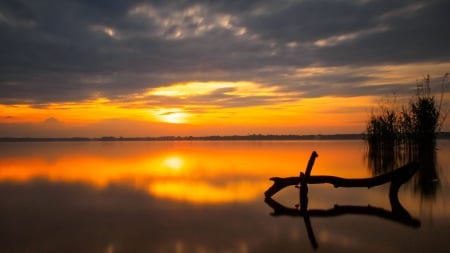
pixel 213 68
pixel 181 109
pixel 314 115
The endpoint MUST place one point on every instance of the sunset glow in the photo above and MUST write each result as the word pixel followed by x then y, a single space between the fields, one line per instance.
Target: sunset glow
pixel 158 126
pixel 206 69
pixel 298 116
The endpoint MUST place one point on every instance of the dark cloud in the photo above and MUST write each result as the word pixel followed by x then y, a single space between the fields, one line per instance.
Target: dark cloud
pixel 76 50
pixel 413 37
pixel 307 21
pixel 16 13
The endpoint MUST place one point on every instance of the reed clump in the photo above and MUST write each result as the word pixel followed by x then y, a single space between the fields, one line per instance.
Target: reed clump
pixel 418 122
pixel 400 135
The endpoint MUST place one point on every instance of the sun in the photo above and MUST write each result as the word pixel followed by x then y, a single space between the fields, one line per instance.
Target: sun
pixel 173 116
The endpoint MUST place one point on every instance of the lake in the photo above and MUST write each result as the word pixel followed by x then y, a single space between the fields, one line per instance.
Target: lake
pixel 208 196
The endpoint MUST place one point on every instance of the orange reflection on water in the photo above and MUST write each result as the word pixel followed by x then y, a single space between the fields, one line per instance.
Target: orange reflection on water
pixel 197 172
pixel 92 170
pixel 205 192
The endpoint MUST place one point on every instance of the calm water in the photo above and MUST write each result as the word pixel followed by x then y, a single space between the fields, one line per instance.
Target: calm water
pixel 208 197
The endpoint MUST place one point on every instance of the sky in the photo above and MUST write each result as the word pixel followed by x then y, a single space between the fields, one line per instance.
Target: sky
pixel 155 68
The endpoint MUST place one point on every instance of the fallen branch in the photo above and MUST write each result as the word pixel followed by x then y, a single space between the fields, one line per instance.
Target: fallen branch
pixel 398 174
pixel 396 178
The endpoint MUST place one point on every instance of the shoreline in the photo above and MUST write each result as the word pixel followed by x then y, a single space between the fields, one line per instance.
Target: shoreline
pixel 252 137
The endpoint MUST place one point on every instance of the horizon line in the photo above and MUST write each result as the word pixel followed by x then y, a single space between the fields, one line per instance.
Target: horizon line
pixel 280 137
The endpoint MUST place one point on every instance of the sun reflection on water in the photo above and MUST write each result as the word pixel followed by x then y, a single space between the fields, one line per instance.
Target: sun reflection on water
pixel 196 172
pixel 174 163
pixel 205 192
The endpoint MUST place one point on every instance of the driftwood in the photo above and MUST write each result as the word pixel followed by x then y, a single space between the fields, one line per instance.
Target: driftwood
pixel 397 178
pixel 396 175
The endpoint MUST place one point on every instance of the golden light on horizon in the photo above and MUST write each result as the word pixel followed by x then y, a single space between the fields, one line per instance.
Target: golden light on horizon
pixel 296 116
pixel 72 113
pixel 199 108
pixel 193 108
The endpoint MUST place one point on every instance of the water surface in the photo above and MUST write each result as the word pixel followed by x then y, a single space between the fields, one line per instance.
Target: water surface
pixel 204 196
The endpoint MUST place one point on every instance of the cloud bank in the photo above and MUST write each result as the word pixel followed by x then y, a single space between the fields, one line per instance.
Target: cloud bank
pixel 79 50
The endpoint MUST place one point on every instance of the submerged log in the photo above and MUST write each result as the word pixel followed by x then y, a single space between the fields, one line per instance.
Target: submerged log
pixel 399 174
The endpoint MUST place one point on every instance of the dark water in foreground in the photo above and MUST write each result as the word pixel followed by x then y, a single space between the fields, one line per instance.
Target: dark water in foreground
pixel 206 197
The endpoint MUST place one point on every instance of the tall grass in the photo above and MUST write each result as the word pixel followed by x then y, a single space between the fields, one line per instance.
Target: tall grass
pixel 415 123
pixel 399 136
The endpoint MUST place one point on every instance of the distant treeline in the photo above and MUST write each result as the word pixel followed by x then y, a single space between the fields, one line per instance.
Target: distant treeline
pixel 193 138
pixel 256 137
